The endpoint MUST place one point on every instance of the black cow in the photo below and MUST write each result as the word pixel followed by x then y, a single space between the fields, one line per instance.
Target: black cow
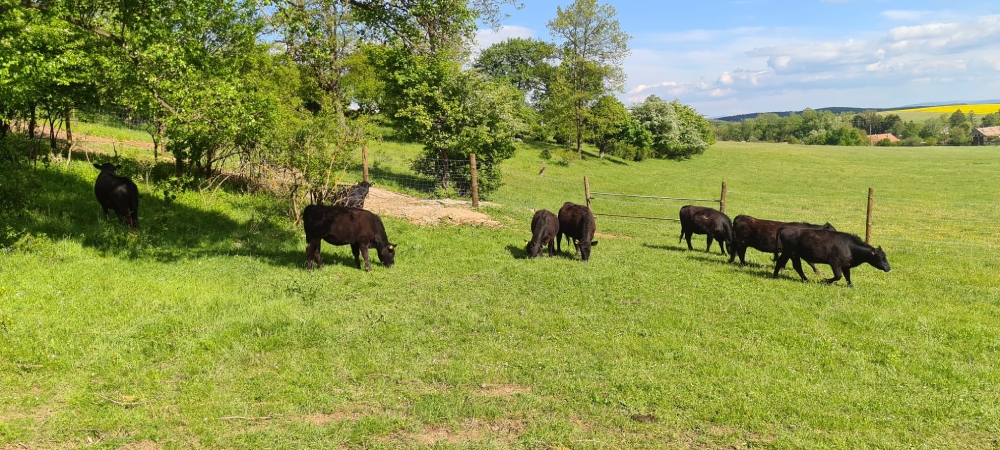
pixel 117 193
pixel 702 220
pixel 339 225
pixel 840 250
pixel 576 222
pixel 352 197
pixel 544 228
pixel 761 234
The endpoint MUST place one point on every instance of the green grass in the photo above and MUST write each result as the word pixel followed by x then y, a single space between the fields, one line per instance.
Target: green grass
pixel 204 330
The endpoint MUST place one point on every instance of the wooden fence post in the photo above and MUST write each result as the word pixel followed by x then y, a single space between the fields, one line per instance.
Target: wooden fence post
pixel 722 199
pixel 475 181
pixel 868 219
pixel 364 163
pixel 586 190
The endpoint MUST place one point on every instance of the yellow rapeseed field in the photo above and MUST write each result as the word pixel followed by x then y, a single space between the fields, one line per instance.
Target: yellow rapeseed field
pixel 986 108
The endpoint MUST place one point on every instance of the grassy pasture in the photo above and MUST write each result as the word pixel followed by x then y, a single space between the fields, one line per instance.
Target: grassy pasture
pixel 204 330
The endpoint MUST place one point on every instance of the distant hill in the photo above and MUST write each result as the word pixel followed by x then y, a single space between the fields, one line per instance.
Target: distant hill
pixel 843 109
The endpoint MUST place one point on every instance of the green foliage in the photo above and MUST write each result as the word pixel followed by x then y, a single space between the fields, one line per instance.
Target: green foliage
pixel 845 136
pixel 520 61
pixel 614 131
pixel 678 131
pixel 592 48
pixel 990 120
pixel 452 112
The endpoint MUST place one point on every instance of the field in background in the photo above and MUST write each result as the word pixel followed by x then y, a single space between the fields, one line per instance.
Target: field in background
pixel 921 115
pixel 204 330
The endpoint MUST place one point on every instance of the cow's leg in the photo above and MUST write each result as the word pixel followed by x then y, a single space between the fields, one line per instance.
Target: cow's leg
pixel 847 276
pixel 837 273
pixel 364 252
pixel 780 263
pixel 552 247
pixel 815 270
pixel 312 254
pixel 356 251
pixel 709 248
pixel 797 264
pixel 734 251
pixel 559 241
pixel 688 237
pixel 743 253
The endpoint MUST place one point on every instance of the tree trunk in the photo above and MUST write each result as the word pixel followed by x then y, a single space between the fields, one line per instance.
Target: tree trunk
pixel 52 132
pixel 579 130
pixel 32 121
pixel 69 136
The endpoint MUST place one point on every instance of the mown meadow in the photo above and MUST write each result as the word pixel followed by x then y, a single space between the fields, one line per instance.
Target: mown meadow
pixel 204 329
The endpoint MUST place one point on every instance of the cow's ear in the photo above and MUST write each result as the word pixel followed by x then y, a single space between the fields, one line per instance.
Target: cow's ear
pixel 392 246
pixel 118 167
pixel 593 244
pixel 97 166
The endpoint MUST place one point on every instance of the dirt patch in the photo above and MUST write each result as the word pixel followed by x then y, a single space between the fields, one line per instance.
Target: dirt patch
pixel 323 419
pixel 141 445
pixel 502 390
pixel 611 236
pixel 426 212
pixel 505 431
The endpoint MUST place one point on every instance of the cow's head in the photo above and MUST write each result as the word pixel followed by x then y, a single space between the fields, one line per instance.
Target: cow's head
pixel 878 259
pixel 107 168
pixel 584 247
pixel 829 226
pixel 534 248
pixel 387 255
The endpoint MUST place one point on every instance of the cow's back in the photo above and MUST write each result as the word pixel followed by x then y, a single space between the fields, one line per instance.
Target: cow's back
pixel 760 234
pixel 341 225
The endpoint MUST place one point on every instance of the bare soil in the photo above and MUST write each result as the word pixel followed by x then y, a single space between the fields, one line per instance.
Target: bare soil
pixel 426 212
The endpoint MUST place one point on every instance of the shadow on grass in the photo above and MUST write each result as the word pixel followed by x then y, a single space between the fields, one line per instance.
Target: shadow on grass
pixel 64 207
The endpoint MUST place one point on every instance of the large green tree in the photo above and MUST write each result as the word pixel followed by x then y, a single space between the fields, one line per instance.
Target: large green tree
pixel 591 43
pixel 452 112
pixel 520 61
pixel 678 131
pixel 614 131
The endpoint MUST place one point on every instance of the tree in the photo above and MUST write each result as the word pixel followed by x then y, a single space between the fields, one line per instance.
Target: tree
pixel 678 132
pixel 990 120
pixel 519 61
pixel 616 132
pixel 590 40
pixel 454 113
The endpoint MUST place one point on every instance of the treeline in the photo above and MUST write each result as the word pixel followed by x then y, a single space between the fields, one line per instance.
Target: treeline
pixel 291 89
pixel 826 128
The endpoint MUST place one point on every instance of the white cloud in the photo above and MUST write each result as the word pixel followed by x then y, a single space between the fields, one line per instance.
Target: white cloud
pixel 488 37
pixel 940 60
pixel 643 87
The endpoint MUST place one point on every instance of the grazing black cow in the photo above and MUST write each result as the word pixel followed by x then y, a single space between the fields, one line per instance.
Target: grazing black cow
pixel 544 228
pixel 576 222
pixel 339 225
pixel 117 193
pixel 702 220
pixel 761 234
pixel 840 250
pixel 352 197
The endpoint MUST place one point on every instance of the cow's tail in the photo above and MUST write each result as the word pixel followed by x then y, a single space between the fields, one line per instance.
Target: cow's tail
pixel 777 244
pixel 728 227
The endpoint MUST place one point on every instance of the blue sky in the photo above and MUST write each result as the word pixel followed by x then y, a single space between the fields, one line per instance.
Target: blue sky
pixel 743 56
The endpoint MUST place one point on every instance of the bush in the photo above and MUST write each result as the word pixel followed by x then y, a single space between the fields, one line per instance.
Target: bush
pixel 911 141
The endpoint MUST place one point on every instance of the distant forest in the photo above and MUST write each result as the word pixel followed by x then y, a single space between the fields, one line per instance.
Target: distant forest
pixel 824 127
